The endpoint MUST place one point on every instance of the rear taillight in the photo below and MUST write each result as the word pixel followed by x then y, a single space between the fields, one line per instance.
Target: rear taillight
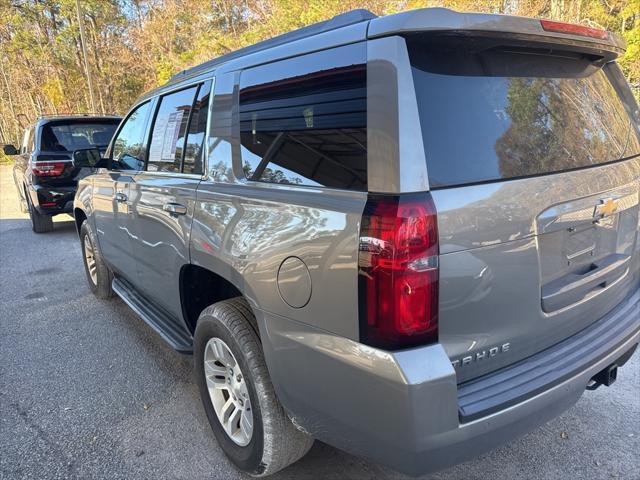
pixel 573 29
pixel 398 271
pixel 48 169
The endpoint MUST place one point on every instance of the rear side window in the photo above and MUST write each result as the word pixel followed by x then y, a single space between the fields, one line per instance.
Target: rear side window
pixel 170 130
pixel 194 148
pixel 177 138
pixel 303 121
pixel 495 115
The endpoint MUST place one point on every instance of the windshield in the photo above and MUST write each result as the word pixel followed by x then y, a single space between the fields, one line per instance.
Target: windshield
pixel 501 115
pixel 75 136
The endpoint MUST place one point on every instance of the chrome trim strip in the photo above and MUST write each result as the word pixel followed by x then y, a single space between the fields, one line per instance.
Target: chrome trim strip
pixel 170 174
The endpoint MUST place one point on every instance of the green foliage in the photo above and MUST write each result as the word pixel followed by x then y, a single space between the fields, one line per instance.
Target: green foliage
pixel 52 89
pixel 164 71
pixel 4 159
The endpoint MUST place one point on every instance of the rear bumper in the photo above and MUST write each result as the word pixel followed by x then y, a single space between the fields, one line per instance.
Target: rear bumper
pixel 51 199
pixel 525 379
pixel 403 408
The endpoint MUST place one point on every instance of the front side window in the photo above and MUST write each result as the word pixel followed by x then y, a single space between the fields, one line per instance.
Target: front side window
pixel 169 131
pixel 128 147
pixel 303 121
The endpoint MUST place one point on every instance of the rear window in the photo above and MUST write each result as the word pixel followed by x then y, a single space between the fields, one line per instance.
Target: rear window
pixel 495 115
pixel 61 137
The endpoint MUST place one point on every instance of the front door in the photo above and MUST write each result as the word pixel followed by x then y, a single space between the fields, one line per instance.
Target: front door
pixel 111 213
pixel 112 201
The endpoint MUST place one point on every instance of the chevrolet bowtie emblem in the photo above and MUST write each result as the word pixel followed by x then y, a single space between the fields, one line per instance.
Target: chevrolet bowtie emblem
pixel 606 208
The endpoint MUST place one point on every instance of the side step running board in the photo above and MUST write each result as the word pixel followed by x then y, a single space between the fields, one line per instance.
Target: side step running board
pixel 166 327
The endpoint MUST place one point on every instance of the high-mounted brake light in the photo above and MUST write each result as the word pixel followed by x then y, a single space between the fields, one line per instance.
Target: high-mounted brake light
pixel 398 271
pixel 573 29
pixel 48 169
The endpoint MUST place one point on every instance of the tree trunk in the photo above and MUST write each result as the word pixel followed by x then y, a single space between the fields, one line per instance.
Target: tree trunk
pixel 10 98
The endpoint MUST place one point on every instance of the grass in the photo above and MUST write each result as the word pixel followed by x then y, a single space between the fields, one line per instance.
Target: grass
pixel 5 159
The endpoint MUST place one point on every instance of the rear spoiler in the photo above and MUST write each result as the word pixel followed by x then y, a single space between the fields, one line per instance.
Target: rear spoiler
pixel 544 33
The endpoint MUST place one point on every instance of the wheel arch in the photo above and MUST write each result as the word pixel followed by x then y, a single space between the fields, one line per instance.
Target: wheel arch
pixel 201 287
pixel 79 217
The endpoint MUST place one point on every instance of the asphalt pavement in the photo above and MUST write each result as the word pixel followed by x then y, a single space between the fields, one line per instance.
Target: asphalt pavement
pixel 88 390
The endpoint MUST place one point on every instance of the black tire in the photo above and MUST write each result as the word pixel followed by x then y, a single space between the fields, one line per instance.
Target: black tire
pixel 39 223
pixel 24 206
pixel 275 443
pixel 101 287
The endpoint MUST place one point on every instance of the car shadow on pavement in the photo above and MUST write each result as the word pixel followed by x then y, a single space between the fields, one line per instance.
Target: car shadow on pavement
pixel 60 227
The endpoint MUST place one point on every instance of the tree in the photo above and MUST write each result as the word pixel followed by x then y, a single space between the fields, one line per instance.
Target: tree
pixel 136 45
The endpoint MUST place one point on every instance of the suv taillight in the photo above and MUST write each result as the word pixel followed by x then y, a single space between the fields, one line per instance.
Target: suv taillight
pixel 398 271
pixel 48 169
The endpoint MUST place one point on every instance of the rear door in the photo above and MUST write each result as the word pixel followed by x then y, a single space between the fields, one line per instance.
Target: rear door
pixel 533 164
pixel 112 200
pixel 165 193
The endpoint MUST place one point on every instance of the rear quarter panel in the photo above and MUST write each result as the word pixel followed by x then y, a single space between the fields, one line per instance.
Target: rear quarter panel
pixel 244 231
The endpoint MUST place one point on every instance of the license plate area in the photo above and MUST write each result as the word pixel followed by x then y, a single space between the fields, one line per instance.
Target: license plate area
pixel 584 248
pixel 580 243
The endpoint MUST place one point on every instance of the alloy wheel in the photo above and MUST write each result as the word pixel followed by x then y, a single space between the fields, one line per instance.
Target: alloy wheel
pixel 228 391
pixel 90 259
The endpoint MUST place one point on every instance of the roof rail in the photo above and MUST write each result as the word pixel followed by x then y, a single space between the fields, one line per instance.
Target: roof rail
pixel 83 114
pixel 342 20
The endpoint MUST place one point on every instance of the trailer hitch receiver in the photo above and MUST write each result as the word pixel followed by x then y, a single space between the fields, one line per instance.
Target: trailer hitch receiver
pixel 604 377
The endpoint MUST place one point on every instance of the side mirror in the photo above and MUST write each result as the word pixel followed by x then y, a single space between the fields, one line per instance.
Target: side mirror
pixel 88 157
pixel 9 150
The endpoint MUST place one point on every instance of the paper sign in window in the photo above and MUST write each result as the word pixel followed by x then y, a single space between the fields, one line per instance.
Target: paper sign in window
pixel 167 128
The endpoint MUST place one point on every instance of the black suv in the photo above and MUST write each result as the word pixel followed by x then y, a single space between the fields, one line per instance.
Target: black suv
pixel 44 172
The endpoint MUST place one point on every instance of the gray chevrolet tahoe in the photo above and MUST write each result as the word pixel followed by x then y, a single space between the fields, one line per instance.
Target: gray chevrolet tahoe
pixel 412 237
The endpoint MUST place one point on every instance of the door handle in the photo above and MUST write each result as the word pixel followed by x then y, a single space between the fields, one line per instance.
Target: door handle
pixel 121 197
pixel 175 208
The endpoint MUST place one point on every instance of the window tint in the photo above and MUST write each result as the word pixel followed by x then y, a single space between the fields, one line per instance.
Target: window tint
pixel 498 115
pixel 128 147
pixel 197 129
pixel 61 137
pixel 169 130
pixel 309 127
